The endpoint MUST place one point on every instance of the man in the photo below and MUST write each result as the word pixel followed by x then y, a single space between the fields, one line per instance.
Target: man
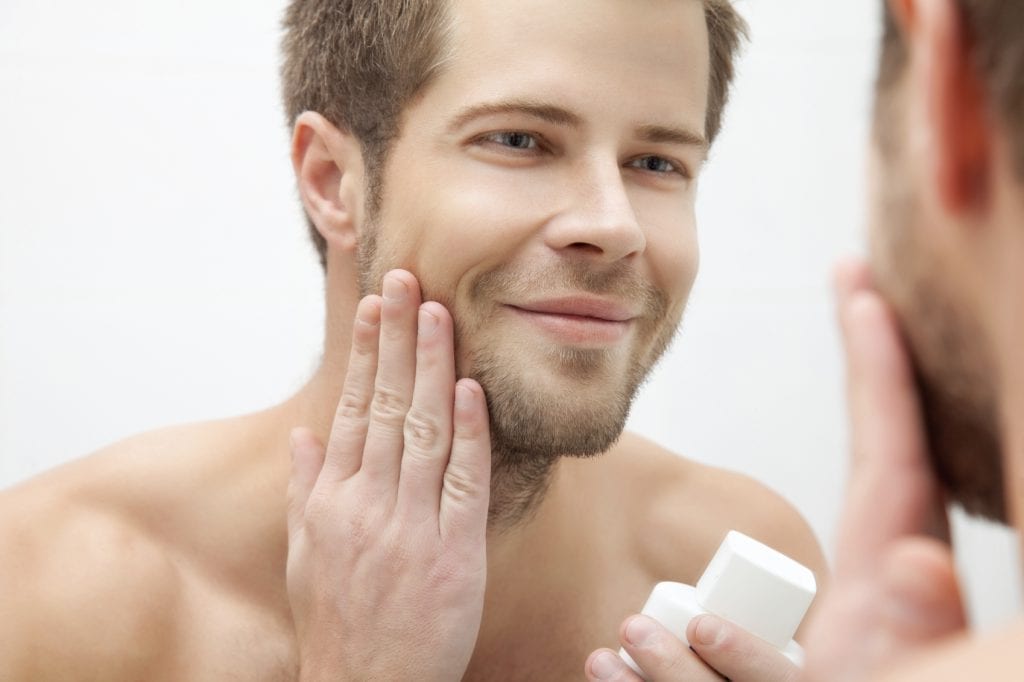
pixel 517 179
pixel 937 412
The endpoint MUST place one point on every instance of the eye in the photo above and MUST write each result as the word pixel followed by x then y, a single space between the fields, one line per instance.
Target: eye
pixel 514 140
pixel 657 164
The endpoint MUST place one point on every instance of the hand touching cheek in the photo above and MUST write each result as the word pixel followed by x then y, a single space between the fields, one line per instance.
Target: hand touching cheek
pixel 387 524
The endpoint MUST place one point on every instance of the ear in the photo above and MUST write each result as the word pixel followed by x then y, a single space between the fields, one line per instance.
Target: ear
pixel 328 165
pixel 953 98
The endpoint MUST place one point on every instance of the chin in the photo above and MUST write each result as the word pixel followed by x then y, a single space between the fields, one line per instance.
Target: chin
pixel 575 407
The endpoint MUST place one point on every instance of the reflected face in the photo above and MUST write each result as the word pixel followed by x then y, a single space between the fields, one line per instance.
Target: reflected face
pixel 543 189
pixel 918 273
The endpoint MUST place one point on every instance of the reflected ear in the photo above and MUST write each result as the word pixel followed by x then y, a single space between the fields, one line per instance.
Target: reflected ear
pixel 955 99
pixel 328 164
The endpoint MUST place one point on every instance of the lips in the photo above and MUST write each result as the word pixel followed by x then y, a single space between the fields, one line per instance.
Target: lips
pixel 582 307
pixel 578 321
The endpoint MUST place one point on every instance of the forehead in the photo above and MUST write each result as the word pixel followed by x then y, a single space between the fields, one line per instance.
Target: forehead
pixel 646 60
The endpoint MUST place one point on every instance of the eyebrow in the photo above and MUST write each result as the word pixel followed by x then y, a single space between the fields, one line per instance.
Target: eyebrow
pixel 669 135
pixel 545 112
pixel 560 116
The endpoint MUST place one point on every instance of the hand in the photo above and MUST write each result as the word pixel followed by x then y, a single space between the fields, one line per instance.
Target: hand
pixel 720 650
pixel 894 589
pixel 387 528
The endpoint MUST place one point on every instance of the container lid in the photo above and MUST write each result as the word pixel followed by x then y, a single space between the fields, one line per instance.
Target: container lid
pixel 758 588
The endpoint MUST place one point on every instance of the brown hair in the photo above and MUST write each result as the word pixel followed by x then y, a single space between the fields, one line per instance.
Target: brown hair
pixel 995 34
pixel 360 62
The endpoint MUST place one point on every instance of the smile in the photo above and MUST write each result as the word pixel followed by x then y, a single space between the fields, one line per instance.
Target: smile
pixel 578 321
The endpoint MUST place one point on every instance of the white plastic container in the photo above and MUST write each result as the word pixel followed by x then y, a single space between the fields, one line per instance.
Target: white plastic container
pixel 759 589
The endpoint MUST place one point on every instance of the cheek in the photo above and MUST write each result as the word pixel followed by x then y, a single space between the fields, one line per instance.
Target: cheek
pixel 674 256
pixel 472 222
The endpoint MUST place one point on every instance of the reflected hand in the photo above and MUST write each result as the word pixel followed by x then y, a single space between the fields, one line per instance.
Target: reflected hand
pixel 894 588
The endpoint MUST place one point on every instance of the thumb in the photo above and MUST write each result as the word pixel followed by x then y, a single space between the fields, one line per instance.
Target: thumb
pixel 307 461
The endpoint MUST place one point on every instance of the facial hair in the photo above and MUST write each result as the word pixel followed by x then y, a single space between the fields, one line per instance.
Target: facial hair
pixel 949 352
pixel 531 431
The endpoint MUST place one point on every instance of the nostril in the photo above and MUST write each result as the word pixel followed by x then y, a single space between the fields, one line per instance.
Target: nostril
pixel 584 246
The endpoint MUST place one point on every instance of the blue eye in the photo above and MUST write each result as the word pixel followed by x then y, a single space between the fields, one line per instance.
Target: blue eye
pixel 655 164
pixel 514 140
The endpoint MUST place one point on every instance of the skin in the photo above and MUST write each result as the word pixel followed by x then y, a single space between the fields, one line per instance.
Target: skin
pixel 357 547
pixel 894 611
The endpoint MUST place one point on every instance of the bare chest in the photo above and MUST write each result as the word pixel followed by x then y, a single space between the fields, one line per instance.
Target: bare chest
pixel 548 637
pixel 220 639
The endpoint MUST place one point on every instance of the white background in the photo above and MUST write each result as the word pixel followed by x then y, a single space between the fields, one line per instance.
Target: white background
pixel 154 266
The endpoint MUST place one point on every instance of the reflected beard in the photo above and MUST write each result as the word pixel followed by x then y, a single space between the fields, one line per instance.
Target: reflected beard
pixel 530 431
pixel 951 360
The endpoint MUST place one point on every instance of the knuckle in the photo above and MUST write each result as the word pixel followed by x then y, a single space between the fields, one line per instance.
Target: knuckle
pixel 389 405
pixel 423 432
pixel 397 554
pixel 459 484
pixel 354 404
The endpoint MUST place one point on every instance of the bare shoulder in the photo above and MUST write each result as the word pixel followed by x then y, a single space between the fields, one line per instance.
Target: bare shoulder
pixel 686 503
pixel 81 590
pixel 101 555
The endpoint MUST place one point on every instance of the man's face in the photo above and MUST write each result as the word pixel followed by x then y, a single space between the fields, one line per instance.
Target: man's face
pixel 543 189
pixel 917 265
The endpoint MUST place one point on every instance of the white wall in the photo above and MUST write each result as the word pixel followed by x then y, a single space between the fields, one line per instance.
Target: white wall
pixel 154 266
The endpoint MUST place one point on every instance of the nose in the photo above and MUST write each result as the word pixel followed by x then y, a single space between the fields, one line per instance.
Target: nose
pixel 599 221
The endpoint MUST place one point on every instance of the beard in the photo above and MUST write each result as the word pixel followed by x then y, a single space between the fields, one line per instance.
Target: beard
pixel 531 427
pixel 949 352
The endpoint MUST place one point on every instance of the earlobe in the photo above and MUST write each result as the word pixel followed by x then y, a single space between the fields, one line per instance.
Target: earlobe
pixel 328 168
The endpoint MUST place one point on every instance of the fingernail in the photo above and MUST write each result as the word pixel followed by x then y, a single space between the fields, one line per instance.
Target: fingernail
pixel 368 312
pixel 640 630
pixel 463 397
pixel 394 289
pixel 708 630
pixel 428 323
pixel 606 665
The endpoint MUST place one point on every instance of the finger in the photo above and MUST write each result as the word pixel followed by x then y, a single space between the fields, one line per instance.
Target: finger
pixel 737 654
pixel 921 595
pixel 661 655
pixel 428 425
pixel 606 665
pixel 307 461
pixel 348 432
pixel 849 276
pixel 396 366
pixel 843 640
pixel 891 490
pixel 466 487
pixel 874 621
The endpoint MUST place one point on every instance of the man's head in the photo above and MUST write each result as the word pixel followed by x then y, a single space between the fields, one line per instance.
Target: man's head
pixel 949 142
pixel 360 62
pixel 534 164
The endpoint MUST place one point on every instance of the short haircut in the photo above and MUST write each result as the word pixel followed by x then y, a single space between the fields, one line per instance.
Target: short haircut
pixel 360 62
pixel 995 36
